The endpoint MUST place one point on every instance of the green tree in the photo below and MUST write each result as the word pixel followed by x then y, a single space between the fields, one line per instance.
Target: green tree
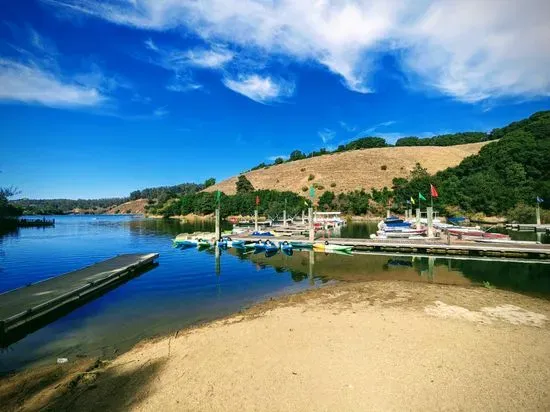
pixel 209 182
pixel 279 161
pixel 244 185
pixel 296 155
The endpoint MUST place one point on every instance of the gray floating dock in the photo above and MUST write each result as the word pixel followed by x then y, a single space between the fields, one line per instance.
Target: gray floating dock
pixel 35 302
pixel 528 227
pixel 431 246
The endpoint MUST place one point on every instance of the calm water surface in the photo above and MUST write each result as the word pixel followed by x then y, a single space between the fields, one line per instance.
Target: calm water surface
pixel 190 286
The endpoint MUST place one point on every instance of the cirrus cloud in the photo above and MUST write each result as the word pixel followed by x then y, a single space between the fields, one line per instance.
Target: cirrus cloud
pixel 260 89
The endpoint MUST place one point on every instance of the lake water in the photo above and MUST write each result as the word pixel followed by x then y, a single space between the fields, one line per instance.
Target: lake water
pixel 190 286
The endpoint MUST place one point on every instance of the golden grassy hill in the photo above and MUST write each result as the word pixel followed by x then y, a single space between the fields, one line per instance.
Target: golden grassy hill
pixel 354 169
pixel 136 207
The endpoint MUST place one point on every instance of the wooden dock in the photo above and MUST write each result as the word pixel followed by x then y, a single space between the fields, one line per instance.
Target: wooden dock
pixel 528 227
pixel 432 247
pixel 30 307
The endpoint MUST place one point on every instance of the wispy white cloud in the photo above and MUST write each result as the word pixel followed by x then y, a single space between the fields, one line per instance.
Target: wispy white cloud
pixel 33 76
pixel 260 89
pixel 347 127
pixel 181 63
pixel 373 129
pixel 470 50
pixel 27 83
pixel 326 135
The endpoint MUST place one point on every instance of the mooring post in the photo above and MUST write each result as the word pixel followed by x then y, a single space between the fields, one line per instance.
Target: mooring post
pixel 417 217
pixel 429 211
pixel 218 232
pixel 311 265
pixel 310 223
pixel 284 217
pixel 387 213
pixel 217 259
pixel 303 217
pixel 256 220
pixel 537 211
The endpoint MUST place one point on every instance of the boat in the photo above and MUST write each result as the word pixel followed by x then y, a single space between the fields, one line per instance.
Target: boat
pixel 202 244
pixel 506 241
pixel 404 233
pixel 262 234
pixel 328 220
pixel 285 245
pixel 301 245
pixel 271 247
pixel 332 247
pixel 394 221
pixel 469 233
pixel 184 243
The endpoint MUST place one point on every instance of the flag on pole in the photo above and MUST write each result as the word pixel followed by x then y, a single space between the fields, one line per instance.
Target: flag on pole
pixel 257 200
pixel 218 196
pixel 540 199
pixel 433 191
pixel 421 196
pixel 311 192
pixel 411 201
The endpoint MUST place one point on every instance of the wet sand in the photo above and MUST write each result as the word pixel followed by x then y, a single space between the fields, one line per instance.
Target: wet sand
pixel 363 346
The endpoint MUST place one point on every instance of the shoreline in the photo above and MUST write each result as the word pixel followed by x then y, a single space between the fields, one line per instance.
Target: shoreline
pixel 281 343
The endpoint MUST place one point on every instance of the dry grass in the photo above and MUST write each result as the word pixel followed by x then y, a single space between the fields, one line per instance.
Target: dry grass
pixel 353 170
pixel 133 206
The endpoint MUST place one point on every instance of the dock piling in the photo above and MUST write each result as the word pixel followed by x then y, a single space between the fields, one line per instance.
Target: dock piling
pixel 310 225
pixel 256 220
pixel 417 217
pixel 218 225
pixel 430 211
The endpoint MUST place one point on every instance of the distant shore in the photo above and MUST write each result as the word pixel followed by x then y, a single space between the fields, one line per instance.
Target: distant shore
pixel 363 346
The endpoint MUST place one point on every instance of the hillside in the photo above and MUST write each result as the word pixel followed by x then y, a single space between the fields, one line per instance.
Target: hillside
pixel 368 168
pixel 136 207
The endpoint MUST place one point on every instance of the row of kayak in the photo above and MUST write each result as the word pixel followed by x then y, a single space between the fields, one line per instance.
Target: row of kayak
pixel 267 245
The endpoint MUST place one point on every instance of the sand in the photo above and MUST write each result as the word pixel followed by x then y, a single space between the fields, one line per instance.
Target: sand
pixel 365 346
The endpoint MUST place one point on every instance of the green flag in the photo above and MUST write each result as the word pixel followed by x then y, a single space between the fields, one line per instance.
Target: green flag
pixel 311 191
pixel 218 196
pixel 420 196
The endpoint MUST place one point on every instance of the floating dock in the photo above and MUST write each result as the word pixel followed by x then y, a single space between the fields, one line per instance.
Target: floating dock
pixel 529 227
pixel 30 307
pixel 431 246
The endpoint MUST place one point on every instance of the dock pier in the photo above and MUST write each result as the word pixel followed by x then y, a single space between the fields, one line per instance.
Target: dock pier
pixel 528 227
pixel 30 307
pixel 434 246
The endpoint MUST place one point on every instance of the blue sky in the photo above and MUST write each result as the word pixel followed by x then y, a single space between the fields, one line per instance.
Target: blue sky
pixel 99 98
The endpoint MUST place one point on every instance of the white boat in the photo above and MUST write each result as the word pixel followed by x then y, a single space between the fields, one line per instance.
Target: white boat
pixel 405 233
pixel 506 241
pixel 333 219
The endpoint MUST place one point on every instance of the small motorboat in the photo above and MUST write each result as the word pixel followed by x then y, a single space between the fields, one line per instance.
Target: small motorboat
pixel 302 245
pixel 270 245
pixel 262 234
pixel 185 243
pixel 203 244
pixel 332 247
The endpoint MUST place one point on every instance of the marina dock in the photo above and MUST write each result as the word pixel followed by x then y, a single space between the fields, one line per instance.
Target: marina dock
pixel 432 247
pixel 528 227
pixel 30 307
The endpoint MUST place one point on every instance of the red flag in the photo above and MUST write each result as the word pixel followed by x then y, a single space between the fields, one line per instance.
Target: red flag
pixel 257 200
pixel 433 191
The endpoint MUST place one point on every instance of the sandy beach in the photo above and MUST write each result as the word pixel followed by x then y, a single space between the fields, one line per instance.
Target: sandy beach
pixel 362 346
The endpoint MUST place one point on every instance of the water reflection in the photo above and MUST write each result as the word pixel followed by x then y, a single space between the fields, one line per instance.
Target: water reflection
pixel 531 277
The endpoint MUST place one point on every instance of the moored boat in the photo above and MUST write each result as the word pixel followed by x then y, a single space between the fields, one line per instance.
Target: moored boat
pixel 332 247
